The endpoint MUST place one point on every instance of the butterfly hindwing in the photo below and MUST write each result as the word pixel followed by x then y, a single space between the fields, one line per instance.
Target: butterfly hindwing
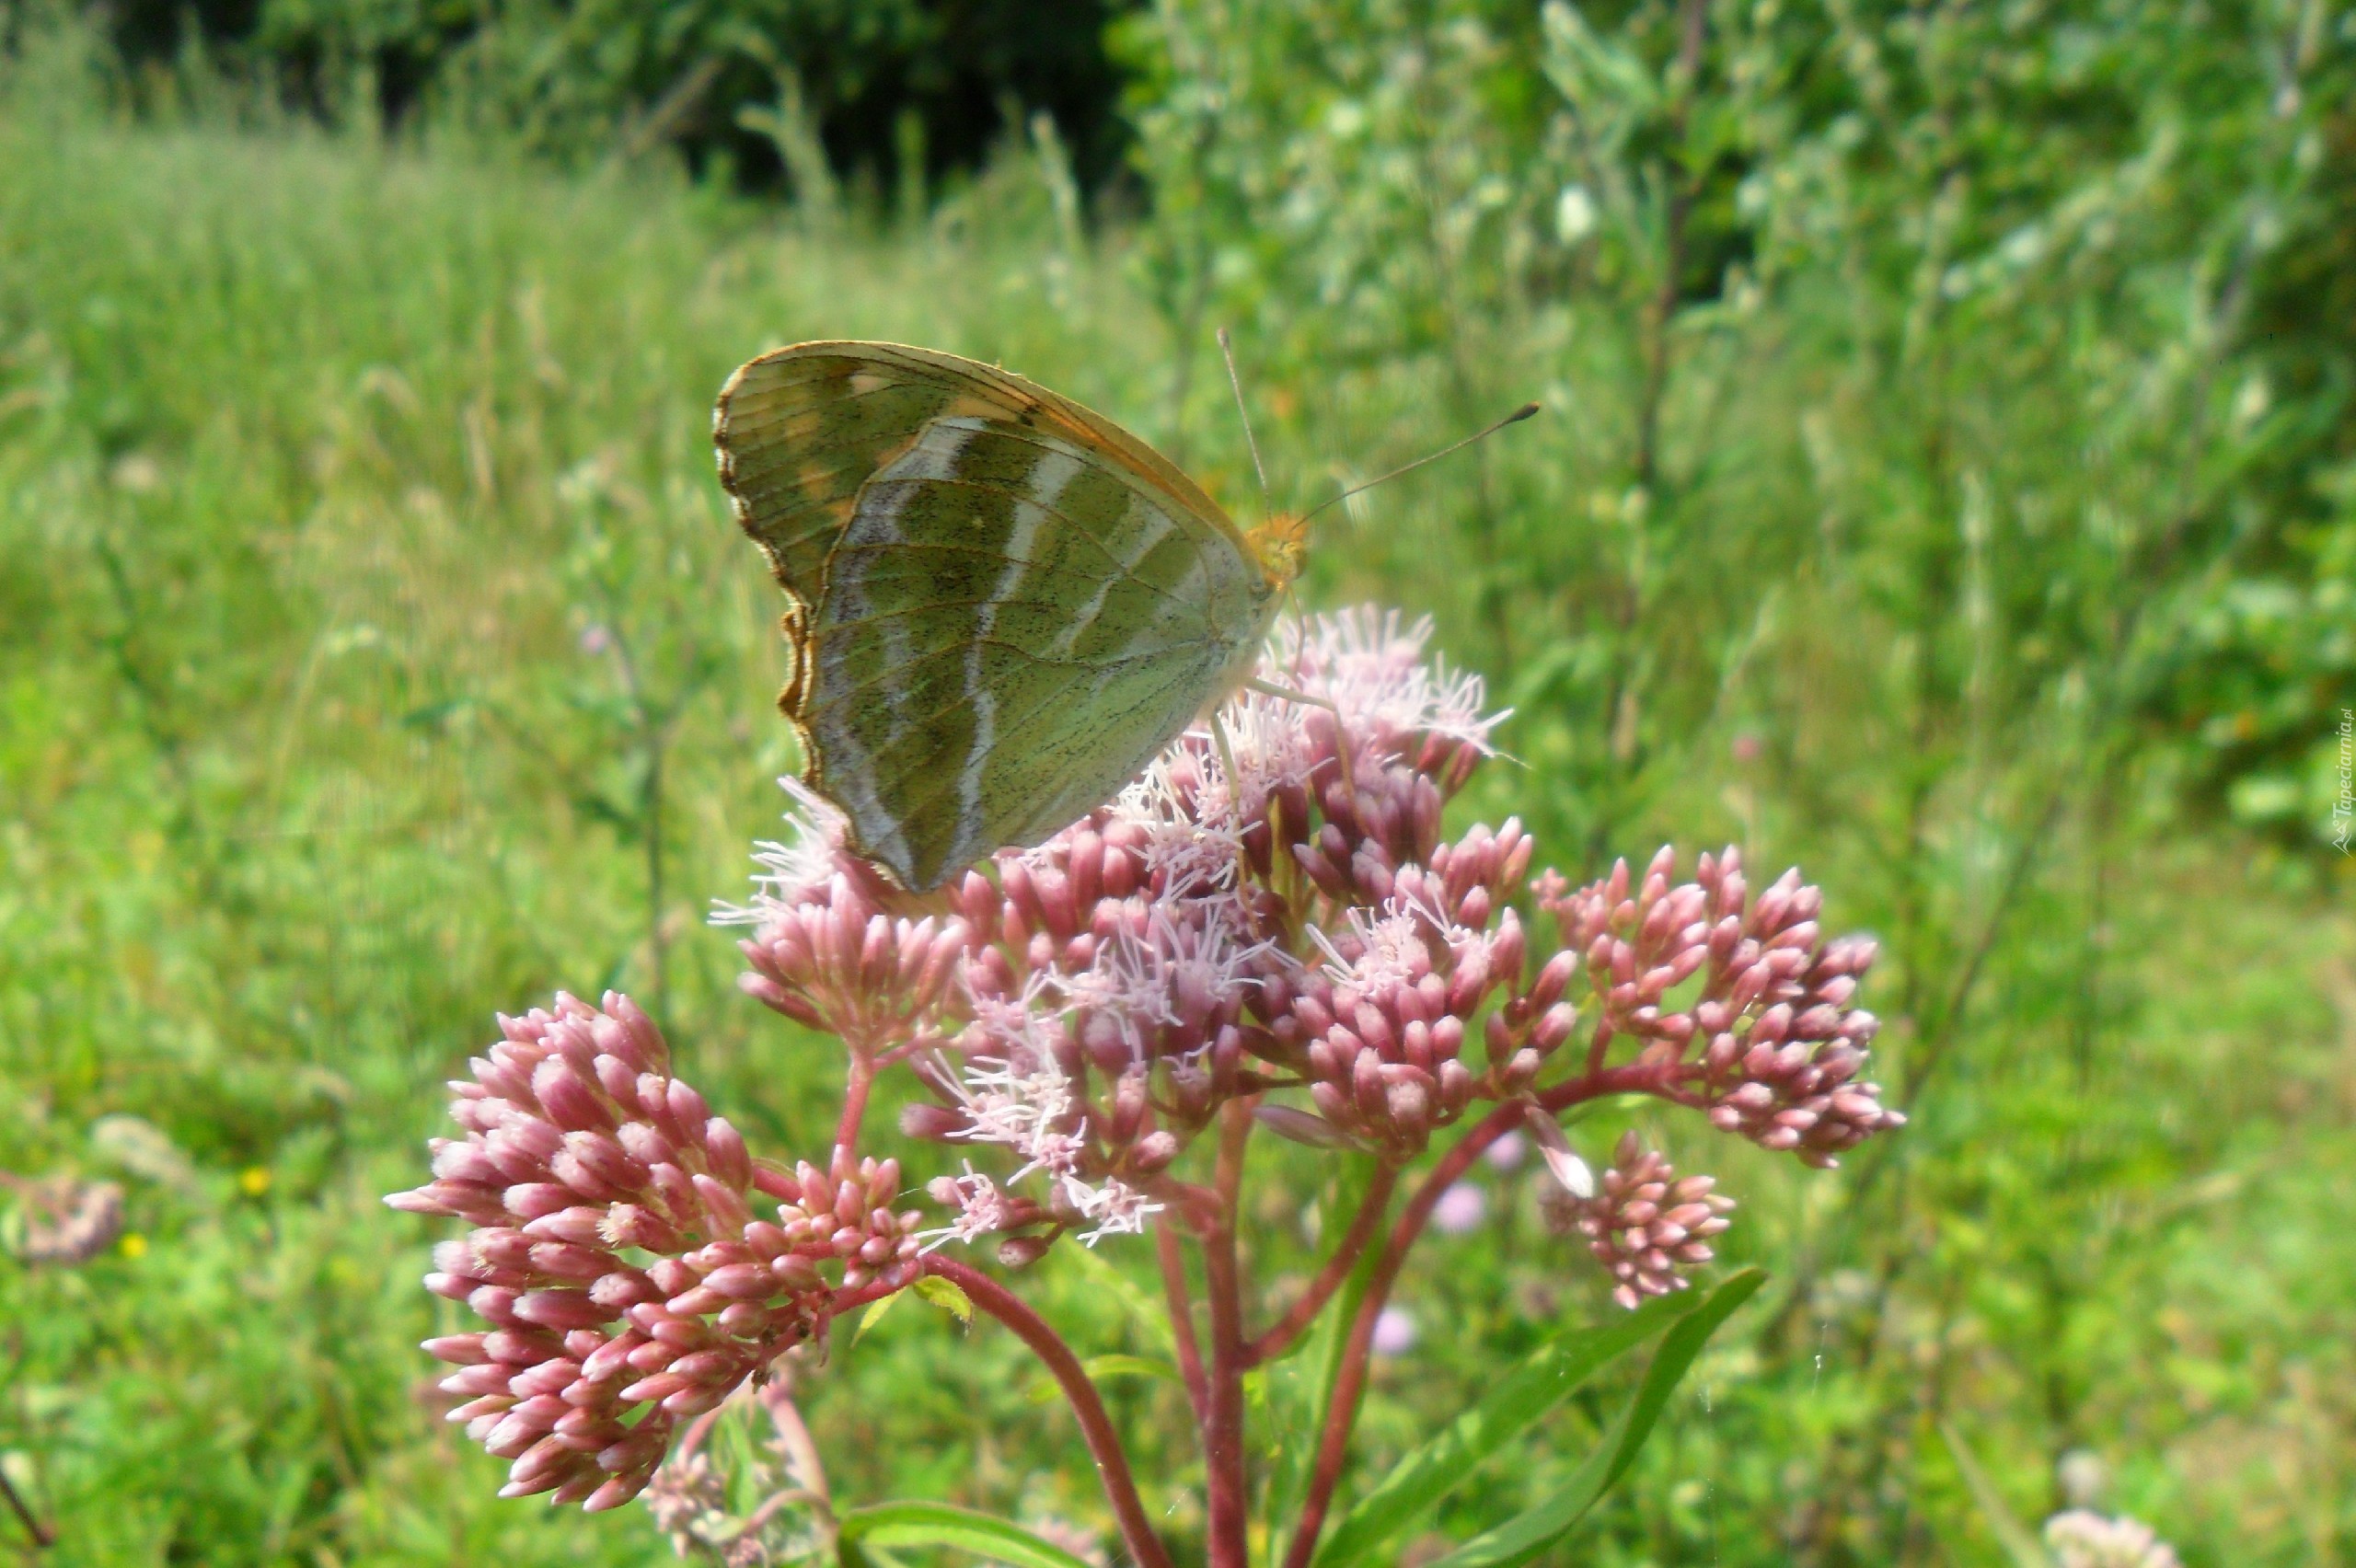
pixel 1011 625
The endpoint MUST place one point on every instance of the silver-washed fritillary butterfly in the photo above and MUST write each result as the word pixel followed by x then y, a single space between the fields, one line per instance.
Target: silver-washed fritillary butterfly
pixel 1002 604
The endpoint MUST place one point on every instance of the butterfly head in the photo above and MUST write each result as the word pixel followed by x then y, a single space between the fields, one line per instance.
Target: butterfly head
pixel 1279 544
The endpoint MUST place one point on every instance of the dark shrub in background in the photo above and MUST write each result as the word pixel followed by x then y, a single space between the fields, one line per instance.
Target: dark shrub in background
pixel 887 84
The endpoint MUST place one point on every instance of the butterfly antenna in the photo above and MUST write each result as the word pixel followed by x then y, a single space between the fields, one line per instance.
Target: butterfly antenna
pixel 1226 352
pixel 1515 418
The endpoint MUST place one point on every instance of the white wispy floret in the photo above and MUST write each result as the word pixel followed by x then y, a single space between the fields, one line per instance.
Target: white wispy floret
pixel 1192 840
pixel 1144 981
pixel 1269 738
pixel 981 1210
pixel 1054 1152
pixel 1392 944
pixel 1021 1025
pixel 1013 1100
pixel 1117 1208
pixel 1370 664
pixel 789 873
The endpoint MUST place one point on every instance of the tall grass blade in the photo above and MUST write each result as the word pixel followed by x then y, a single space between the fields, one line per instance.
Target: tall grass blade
pixel 2018 1541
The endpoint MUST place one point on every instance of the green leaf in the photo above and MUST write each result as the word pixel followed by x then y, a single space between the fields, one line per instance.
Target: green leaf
pixel 1515 1403
pixel 945 1295
pixel 1309 1388
pixel 874 1314
pixel 864 1531
pixel 1524 1537
pixel 2015 1537
pixel 1102 1367
pixel 851 1555
pixel 1099 1367
pixel 1151 1318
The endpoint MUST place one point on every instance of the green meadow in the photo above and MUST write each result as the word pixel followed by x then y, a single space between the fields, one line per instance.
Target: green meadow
pixel 377 654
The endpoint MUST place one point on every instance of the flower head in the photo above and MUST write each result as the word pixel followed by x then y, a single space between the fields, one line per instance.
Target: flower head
pixel 2081 1538
pixel 796 872
pixel 1270 917
pixel 1644 1225
pixel 1779 1045
pixel 1370 664
pixel 615 1255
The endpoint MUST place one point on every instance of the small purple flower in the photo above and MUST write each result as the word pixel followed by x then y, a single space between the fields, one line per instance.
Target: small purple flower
pixel 1459 1209
pixel 1507 1152
pixel 596 640
pixel 1395 1331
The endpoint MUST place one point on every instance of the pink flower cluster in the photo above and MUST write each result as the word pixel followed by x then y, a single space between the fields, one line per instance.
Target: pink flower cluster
pixel 1644 1225
pixel 579 1148
pixel 1779 1047
pixel 1251 915
pixel 1268 918
pixel 825 953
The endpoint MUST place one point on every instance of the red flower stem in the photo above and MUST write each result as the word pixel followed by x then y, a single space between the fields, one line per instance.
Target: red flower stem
pixel 800 1451
pixel 1095 1426
pixel 1599 1046
pixel 1630 1078
pixel 855 1087
pixel 1182 1321
pixel 1303 1312
pixel 1229 1498
pixel 1350 1382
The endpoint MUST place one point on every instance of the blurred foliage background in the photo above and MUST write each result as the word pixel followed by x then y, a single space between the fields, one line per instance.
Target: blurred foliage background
pixel 1949 483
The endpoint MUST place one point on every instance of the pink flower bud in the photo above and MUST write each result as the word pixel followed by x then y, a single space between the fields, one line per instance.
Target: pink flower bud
pixel 747 1282
pixel 1154 1151
pixel 561 1310
pixel 654 1389
pixel 1554 1027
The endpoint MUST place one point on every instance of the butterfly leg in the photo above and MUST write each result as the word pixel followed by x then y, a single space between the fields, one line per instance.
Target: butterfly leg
pixel 1234 792
pixel 1341 735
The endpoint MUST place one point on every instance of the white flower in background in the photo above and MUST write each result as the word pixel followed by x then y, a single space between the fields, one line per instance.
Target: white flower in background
pixel 2081 1538
pixel 1573 214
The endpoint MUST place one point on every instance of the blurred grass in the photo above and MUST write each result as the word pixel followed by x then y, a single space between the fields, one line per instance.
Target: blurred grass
pixel 361 566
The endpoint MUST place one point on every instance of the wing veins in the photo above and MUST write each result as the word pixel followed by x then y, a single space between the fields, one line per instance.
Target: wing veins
pixel 937 783
pixel 833 698
pixel 1127 571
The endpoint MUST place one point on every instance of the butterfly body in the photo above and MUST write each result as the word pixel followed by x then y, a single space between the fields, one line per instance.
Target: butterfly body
pixel 1001 603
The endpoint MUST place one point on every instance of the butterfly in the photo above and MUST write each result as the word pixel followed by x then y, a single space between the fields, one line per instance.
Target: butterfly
pixel 1000 603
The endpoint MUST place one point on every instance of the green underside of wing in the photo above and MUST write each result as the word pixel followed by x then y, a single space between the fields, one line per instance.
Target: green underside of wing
pixel 798 442
pixel 1010 629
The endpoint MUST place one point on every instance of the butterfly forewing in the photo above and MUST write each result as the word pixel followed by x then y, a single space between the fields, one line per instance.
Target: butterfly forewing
pixel 801 430
pixel 1011 628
